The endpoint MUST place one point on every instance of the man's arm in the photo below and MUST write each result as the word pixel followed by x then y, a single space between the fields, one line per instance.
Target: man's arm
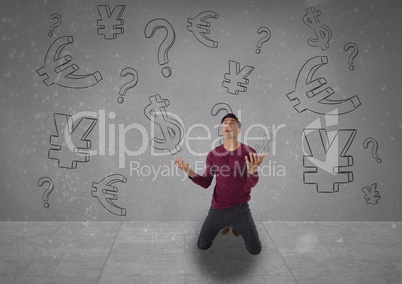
pixel 185 167
pixel 205 180
pixel 253 161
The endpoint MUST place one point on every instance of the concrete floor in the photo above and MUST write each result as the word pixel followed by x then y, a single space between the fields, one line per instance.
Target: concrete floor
pixel 166 252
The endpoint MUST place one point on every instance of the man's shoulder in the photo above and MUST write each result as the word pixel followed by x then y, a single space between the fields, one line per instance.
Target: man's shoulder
pixel 247 148
pixel 220 150
pixel 217 149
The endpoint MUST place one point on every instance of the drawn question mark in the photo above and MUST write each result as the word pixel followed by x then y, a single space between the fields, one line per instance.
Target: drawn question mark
pixel 264 39
pixel 56 24
pixel 217 108
pixel 130 84
pixel 166 44
pixel 355 52
pixel 374 149
pixel 48 190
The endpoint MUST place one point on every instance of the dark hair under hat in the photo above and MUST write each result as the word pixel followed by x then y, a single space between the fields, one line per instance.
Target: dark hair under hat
pixel 232 115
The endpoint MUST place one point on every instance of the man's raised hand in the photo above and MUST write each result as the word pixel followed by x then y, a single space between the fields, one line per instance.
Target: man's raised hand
pixel 179 162
pixel 253 161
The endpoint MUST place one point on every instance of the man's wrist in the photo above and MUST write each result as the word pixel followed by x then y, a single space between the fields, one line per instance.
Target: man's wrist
pixel 191 174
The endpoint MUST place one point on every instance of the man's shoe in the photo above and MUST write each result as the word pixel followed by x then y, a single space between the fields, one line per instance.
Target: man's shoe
pixel 225 230
pixel 236 233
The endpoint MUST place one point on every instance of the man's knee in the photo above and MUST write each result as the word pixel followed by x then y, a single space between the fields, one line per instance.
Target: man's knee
pixel 255 250
pixel 254 247
pixel 203 245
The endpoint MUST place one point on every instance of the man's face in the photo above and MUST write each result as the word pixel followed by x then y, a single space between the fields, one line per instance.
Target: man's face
pixel 230 128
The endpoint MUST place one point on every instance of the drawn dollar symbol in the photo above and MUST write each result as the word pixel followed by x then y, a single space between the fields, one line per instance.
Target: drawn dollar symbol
pixel 170 128
pixel 323 34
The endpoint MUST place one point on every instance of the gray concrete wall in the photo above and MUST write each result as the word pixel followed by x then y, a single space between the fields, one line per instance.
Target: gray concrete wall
pixel 316 84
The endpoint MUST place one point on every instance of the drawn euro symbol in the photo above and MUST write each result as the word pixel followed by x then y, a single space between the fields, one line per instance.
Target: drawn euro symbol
pixel 106 193
pixel 60 70
pixel 199 26
pixel 313 95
